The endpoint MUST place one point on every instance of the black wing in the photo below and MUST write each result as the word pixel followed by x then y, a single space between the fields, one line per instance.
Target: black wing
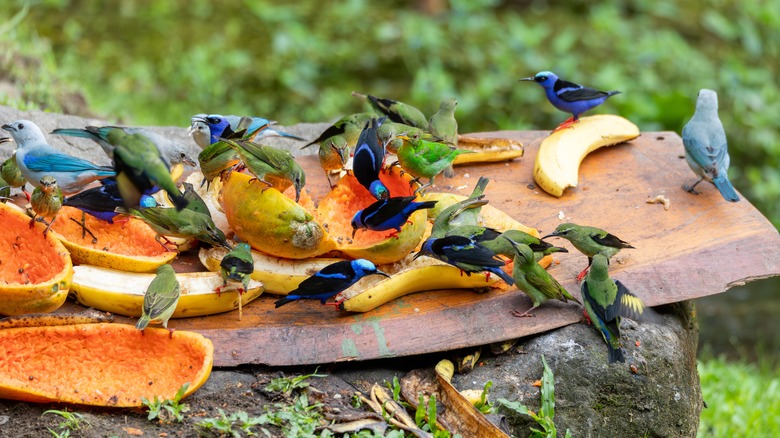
pixel 383 210
pixel 464 250
pixel 610 240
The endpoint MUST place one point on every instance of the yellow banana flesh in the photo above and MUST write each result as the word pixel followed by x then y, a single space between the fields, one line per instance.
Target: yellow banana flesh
pixel 487 150
pixel 489 216
pixel 123 292
pixel 557 164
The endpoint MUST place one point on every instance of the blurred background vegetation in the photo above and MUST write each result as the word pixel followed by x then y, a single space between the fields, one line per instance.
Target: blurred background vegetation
pixel 158 62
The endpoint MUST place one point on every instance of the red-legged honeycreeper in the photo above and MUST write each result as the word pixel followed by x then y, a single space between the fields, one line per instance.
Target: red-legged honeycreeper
pixel 426 159
pixel 272 166
pixel 464 254
pixel 387 214
pixel 368 160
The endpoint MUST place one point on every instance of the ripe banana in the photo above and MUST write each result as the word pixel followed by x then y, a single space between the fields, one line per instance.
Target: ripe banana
pixel 123 292
pixel 488 150
pixel 489 216
pixel 422 274
pixel 279 276
pixel 560 154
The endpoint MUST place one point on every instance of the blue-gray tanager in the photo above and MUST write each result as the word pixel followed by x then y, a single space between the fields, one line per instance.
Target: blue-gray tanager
pixel 36 158
pixel 706 150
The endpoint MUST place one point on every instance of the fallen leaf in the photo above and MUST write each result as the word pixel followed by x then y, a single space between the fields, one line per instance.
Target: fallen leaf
pixel 133 431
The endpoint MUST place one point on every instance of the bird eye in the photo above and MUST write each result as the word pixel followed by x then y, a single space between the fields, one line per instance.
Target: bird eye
pixel 212 120
pixel 21 126
pixel 541 78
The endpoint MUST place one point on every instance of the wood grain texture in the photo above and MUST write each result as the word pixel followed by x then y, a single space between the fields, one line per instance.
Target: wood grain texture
pixel 701 246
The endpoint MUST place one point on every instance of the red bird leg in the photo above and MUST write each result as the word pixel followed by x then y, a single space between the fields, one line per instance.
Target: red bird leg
pixel 171 330
pixel 336 304
pixel 568 123
pixel 27 195
pixel 582 274
pixel 587 318
pixel 526 314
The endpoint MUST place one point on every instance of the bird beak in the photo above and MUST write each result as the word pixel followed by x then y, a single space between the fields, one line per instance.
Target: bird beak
pixel 526 79
pixel 198 119
pixel 189 161
pixel 417 256
pixel 385 274
pixel 402 137
pixel 8 127
pixel 553 234
pixel 297 194
pixel 354 230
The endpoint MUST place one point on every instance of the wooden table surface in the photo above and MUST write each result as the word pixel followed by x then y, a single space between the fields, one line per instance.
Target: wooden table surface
pixel 701 246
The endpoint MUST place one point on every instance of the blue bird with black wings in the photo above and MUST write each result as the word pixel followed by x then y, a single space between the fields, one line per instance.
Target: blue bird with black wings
pixel 386 214
pixel 368 160
pixel 466 255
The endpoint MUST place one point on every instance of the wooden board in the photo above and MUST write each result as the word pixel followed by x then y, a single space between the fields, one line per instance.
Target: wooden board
pixel 701 246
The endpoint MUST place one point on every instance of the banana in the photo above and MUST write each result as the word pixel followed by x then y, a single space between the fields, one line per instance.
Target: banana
pixel 422 274
pixel 560 154
pixel 279 276
pixel 488 150
pixel 123 292
pixel 88 316
pixel 489 216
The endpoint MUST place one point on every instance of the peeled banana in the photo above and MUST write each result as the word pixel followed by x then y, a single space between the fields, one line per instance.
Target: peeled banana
pixel 487 150
pixel 123 292
pixel 560 154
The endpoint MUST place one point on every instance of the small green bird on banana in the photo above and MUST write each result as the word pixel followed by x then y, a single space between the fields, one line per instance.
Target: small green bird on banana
pixel 237 266
pixel 465 212
pixel 426 159
pixel 160 299
pixel 531 278
pixel 607 301
pixel 46 202
pixel 589 241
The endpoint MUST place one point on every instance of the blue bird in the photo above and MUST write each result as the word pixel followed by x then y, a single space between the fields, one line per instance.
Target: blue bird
pixel 368 160
pixel 331 280
pixel 386 214
pixel 706 150
pixel 101 202
pixel 569 97
pixel 466 255
pixel 223 126
pixel 36 158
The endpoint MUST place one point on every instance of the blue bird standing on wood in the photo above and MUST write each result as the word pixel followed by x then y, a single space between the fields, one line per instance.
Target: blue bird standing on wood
pixel 569 97
pixel 331 280
pixel 706 150
pixel 386 214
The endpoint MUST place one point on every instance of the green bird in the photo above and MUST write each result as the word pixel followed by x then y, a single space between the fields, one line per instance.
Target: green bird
pixel 531 278
pixel 333 154
pixel 160 299
pixel 11 174
pixel 217 158
pixel 139 166
pixel 465 212
pixel 192 221
pixel 388 133
pixel 396 111
pixel 5 191
pixel 274 167
pixel 501 243
pixel 589 241
pixel 349 126
pixel 606 302
pixel 46 201
pixel 443 126
pixel 426 159
pixel 237 265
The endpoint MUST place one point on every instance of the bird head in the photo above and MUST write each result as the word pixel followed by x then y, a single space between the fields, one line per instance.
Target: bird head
pixel 379 190
pixel 599 267
pixel 217 124
pixel 357 223
pixel 298 180
pixel 522 250
pixel 338 145
pixel 448 104
pixel 707 100
pixel 363 267
pixel 543 78
pixel 48 183
pixel 25 133
pixel 147 201
pixel 563 230
pixel 425 249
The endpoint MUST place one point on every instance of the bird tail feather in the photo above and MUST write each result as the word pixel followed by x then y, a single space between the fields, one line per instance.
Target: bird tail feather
pixel 142 322
pixel 504 276
pixel 615 354
pixel 725 188
pixel 282 302
pixel 612 93
pixel 83 133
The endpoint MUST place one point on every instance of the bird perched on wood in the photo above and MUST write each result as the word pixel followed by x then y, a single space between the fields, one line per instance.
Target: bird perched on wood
pixel 172 152
pixel 464 254
pixel 331 280
pixel 531 278
pixel 369 159
pixel 272 166
pixel 503 242
pixel 36 158
pixel 224 126
pixel 569 97
pixel 333 154
pixel 606 302
pixel 387 214
pixel 46 201
pixel 396 111
pixel 589 241
pixel 237 266
pixel 706 150
pixel 160 299
pixel 426 159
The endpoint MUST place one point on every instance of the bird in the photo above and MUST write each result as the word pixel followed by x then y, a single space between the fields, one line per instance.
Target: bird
pixel 590 241
pixel 333 154
pixel 464 254
pixel 274 167
pixel 46 201
pixel 426 159
pixel 706 150
pixel 368 160
pixel 237 265
pixel 172 152
pixel 139 166
pixel 569 97
pixel 388 133
pixel 531 278
pixel 387 214
pixel 396 111
pixel 607 301
pixel 36 158
pixel 465 212
pixel 11 174
pixel 502 242
pixel 160 299
pixel 223 126
pixel 331 280
pixel 349 126
pixel 216 159
pixel 443 125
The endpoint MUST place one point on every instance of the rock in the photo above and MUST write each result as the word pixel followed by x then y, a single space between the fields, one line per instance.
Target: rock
pixel 594 399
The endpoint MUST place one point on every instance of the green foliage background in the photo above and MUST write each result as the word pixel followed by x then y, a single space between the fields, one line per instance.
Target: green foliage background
pixel 155 62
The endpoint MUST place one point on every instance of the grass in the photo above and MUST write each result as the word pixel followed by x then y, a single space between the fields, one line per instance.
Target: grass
pixel 167 410
pixel 742 399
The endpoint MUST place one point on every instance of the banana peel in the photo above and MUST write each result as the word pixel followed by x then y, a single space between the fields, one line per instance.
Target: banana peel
pixel 557 164
pixel 122 292
pixel 89 316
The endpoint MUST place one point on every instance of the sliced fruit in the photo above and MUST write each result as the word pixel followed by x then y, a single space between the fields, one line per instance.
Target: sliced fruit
pixel 489 216
pixel 419 275
pixel 36 270
pixel 101 364
pixel 210 195
pixel 128 245
pixel 279 276
pixel 557 164
pixel 488 150
pixel 123 292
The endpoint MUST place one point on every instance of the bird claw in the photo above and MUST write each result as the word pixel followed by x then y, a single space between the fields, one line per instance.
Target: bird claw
pixel 586 318
pixel 582 274
pixel 526 314
pixel 170 331
pixel 690 189
pixel 569 123
pixel 336 304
